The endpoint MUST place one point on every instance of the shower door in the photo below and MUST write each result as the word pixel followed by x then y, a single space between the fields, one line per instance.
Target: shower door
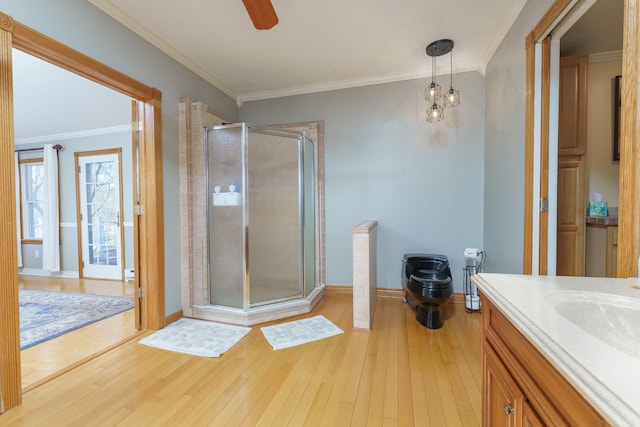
pixel 274 214
pixel 261 215
pixel 226 219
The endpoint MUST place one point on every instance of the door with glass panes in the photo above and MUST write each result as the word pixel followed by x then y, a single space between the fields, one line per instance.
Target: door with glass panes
pixel 99 188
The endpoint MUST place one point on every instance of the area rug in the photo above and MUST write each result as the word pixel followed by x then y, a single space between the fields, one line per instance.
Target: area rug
pixel 298 332
pixel 48 314
pixel 197 337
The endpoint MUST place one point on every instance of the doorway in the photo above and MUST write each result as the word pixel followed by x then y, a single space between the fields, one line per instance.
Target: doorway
pixel 598 36
pixel 100 219
pixel 149 251
pixel 535 254
pixel 92 244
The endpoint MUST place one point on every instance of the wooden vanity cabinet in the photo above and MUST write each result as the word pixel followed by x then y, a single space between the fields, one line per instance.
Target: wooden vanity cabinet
pixel 520 387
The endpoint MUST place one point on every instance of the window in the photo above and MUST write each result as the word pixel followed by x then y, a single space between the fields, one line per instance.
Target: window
pixel 31 181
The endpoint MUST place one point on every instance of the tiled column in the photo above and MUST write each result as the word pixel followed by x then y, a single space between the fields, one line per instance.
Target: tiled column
pixel 364 274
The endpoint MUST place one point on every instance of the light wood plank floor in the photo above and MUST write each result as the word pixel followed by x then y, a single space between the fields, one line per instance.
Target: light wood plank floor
pixel 400 374
pixel 50 358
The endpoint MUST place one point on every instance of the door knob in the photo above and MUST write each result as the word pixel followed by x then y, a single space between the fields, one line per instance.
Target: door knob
pixel 508 410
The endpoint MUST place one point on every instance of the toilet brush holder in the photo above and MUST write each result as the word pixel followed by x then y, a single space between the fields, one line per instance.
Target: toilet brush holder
pixel 472 301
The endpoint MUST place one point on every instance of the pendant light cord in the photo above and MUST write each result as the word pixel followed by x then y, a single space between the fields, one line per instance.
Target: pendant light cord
pixel 451 69
pixel 433 69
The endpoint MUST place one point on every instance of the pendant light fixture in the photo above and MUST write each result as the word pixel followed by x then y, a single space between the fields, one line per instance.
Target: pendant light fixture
pixel 433 92
pixel 435 113
pixel 452 97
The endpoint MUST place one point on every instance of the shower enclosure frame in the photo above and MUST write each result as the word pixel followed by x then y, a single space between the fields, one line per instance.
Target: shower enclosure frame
pixel 193 118
pixel 303 267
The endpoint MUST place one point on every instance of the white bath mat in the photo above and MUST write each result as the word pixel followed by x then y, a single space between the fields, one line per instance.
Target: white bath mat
pixel 299 332
pixel 197 337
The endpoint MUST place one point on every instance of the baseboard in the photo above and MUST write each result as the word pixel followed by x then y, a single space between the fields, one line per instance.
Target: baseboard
pixel 172 317
pixel 338 290
pixel 380 292
pixel 390 293
pixel 26 271
pixel 456 298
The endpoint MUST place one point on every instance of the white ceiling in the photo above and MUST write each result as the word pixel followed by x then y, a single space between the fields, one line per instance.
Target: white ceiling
pixel 598 30
pixel 317 45
pixel 49 101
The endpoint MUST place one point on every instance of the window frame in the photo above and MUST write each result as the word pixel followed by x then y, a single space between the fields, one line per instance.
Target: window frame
pixel 21 163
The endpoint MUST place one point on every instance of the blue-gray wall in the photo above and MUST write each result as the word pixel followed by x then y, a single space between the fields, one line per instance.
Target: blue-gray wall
pixel 432 187
pixel 422 182
pixel 80 25
pixel 504 144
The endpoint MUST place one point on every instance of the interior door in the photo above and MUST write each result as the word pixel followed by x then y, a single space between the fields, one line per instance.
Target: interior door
pixel 99 187
pixel 571 233
pixel 572 142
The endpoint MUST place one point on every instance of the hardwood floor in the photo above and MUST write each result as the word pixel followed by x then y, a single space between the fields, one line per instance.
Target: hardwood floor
pixel 83 286
pixel 400 374
pixel 46 360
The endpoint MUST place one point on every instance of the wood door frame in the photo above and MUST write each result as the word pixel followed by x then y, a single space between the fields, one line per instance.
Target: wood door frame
pixel 629 204
pixel 150 271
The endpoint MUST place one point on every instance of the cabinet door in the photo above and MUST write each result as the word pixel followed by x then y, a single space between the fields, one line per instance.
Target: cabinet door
pixel 529 416
pixel 571 210
pixel 503 399
pixel 573 106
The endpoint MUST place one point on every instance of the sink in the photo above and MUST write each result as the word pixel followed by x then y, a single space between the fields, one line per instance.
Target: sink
pixel 611 318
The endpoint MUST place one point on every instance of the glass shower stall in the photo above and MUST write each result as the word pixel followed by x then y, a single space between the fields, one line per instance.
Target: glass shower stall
pixel 261 215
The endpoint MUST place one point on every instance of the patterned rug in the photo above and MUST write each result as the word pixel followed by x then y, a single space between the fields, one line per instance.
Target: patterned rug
pixel 48 314
pixel 197 337
pixel 299 332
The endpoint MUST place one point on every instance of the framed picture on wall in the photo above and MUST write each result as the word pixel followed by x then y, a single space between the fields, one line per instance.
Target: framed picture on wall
pixel 617 106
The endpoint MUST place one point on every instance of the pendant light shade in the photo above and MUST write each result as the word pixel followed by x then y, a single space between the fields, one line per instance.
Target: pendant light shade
pixel 435 113
pixel 433 92
pixel 452 98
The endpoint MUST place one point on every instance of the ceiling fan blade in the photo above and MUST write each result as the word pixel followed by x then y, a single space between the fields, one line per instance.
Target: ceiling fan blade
pixel 262 13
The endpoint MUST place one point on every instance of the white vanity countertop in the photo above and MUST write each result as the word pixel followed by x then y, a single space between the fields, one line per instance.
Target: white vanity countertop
pixel 592 339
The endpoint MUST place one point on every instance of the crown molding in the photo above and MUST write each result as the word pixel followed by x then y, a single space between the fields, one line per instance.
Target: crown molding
pixel 595 58
pixel 502 32
pixel 72 135
pixel 347 84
